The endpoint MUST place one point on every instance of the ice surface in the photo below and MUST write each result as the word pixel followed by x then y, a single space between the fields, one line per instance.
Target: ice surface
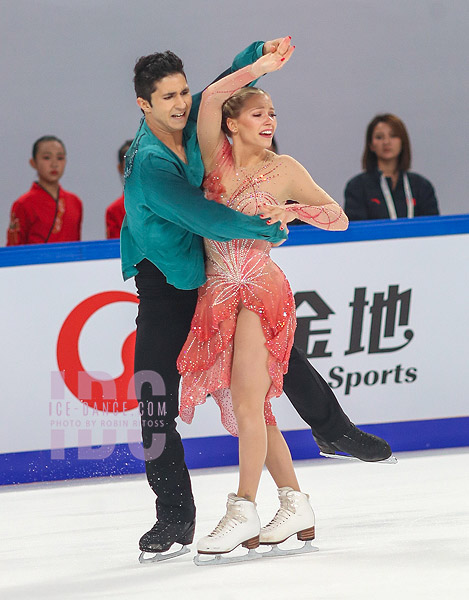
pixel 384 532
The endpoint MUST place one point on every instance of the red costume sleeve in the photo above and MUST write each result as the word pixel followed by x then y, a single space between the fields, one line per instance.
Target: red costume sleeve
pixel 17 233
pixel 81 219
pixel 113 228
pixel 115 213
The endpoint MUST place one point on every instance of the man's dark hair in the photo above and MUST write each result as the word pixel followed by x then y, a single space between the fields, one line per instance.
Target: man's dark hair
pixel 122 150
pixel 150 69
pixel 46 138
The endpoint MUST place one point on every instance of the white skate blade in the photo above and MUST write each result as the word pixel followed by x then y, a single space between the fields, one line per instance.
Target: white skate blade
pixel 392 460
pixel 276 551
pixel 160 556
pixel 203 560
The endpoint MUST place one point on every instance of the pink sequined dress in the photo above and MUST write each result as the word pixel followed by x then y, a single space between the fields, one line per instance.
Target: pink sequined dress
pixel 241 272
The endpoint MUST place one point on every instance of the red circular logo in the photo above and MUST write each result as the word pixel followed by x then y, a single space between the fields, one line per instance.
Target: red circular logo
pixel 103 394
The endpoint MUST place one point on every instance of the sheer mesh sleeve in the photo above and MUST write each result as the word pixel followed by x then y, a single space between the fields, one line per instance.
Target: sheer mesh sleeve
pixel 220 90
pixel 329 216
pixel 209 131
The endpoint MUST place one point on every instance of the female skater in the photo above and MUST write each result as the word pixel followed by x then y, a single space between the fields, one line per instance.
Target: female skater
pixel 243 327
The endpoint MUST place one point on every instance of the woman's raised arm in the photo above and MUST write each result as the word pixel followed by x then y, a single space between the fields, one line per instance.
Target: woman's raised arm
pixel 209 131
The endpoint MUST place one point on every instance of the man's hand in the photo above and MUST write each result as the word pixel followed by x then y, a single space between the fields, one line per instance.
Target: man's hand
pixel 272 45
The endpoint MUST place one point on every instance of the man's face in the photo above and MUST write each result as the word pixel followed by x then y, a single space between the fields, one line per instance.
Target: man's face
pixel 170 105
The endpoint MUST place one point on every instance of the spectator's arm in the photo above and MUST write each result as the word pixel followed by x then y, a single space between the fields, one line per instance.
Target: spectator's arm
pixel 80 221
pixel 113 227
pixel 427 203
pixel 355 201
pixel 18 229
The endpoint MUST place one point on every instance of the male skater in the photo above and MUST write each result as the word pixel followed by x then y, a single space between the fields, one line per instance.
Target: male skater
pixel 161 245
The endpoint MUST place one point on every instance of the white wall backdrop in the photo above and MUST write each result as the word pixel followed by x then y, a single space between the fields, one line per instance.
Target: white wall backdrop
pixel 66 69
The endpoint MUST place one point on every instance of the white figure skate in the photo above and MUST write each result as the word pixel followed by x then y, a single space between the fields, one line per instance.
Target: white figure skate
pixel 295 516
pixel 239 526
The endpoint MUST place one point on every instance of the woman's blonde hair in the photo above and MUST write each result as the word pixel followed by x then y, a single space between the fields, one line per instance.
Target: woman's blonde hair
pixel 233 105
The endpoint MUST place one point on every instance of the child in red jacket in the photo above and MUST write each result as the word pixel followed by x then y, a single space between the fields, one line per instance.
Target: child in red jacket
pixel 47 213
pixel 115 212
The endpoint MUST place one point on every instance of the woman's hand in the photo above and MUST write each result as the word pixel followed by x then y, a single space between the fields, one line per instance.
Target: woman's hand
pixel 276 214
pixel 276 54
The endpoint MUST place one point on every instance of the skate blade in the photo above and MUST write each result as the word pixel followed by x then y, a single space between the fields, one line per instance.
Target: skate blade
pixel 276 551
pixel 160 556
pixel 204 560
pixel 392 460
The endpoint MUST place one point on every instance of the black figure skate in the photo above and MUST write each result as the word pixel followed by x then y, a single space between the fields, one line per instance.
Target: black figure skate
pixel 161 537
pixel 355 444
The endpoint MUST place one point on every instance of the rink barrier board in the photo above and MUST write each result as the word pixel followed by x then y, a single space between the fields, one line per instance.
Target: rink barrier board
pixel 358 231
pixel 221 451
pixel 37 465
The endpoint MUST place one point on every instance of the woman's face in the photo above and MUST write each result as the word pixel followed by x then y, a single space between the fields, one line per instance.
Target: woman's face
pixel 256 123
pixel 385 143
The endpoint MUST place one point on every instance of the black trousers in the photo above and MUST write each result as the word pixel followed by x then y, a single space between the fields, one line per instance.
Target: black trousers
pixel 163 323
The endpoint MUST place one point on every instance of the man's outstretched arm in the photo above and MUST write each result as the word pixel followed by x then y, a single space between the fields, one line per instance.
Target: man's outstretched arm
pixel 176 200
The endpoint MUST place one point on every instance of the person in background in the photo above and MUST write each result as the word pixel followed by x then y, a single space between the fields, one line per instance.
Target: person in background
pixel 386 189
pixel 47 213
pixel 115 212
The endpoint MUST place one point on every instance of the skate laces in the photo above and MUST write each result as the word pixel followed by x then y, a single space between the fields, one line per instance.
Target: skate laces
pixel 228 521
pixel 287 507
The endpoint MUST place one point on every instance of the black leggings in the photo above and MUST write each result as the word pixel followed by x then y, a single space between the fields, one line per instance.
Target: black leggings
pixel 163 322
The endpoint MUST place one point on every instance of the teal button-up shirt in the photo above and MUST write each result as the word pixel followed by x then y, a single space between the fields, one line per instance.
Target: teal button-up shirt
pixel 167 214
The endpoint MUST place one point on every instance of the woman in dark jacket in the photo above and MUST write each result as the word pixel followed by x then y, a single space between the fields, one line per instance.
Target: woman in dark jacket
pixel 386 189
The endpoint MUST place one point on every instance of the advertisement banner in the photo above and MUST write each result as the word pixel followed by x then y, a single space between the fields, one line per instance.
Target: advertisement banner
pixel 384 322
